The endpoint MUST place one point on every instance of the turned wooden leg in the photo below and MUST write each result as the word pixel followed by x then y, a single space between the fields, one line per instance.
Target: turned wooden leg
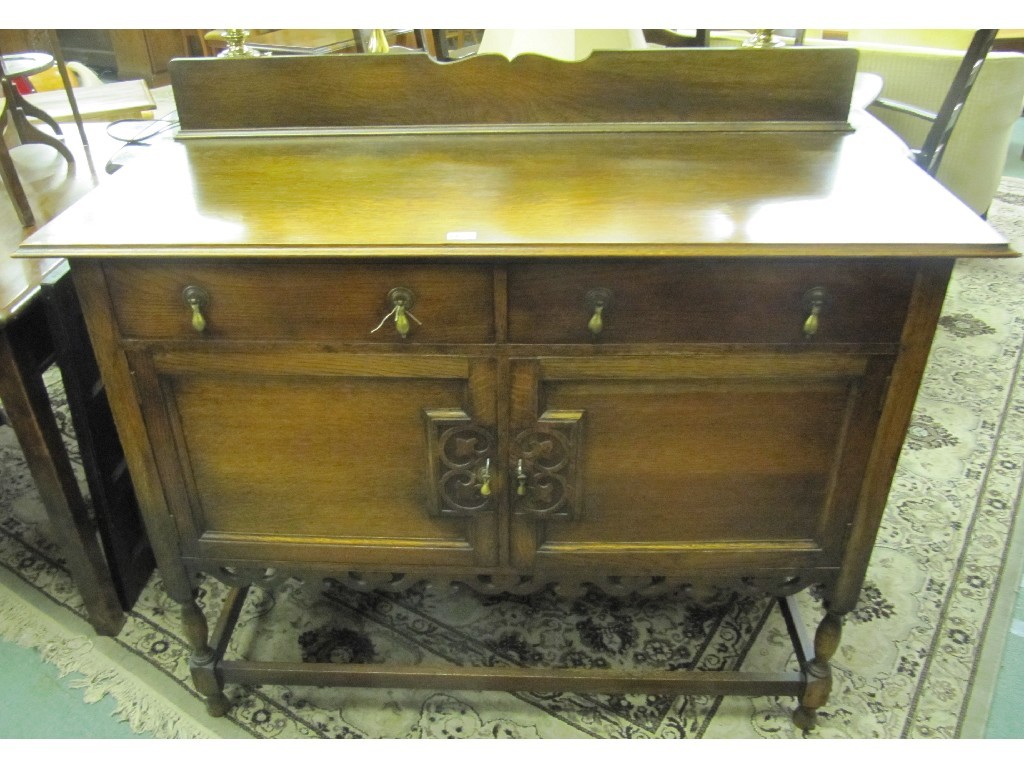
pixel 203 662
pixel 818 671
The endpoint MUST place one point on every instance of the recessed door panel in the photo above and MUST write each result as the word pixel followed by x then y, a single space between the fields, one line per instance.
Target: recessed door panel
pixel 326 461
pixel 681 461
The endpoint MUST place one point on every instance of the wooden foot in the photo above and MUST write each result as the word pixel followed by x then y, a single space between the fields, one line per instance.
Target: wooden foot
pixel 196 631
pixel 203 663
pixel 818 672
pixel 217 705
pixel 805 718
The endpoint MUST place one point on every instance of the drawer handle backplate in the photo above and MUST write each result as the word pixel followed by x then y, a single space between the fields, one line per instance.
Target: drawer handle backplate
pixel 196 299
pixel 402 300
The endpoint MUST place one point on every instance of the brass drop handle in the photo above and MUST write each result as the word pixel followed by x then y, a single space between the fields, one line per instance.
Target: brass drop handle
pixel 811 323
pixel 816 301
pixel 196 299
pixel 597 300
pixel 402 300
pixel 521 478
pixel 401 321
pixel 485 478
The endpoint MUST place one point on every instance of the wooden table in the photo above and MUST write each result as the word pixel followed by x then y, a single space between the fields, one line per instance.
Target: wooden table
pixel 650 322
pixel 41 324
pixel 322 42
pixel 310 42
pixel 99 103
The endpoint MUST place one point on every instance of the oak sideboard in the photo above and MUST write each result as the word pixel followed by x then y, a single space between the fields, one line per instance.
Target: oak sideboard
pixel 651 322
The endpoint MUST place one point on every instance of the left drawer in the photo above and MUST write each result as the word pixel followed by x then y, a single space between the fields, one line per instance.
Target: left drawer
pixel 319 300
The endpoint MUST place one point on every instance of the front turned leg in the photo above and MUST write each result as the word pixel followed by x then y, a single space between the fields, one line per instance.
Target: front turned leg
pixel 203 662
pixel 818 672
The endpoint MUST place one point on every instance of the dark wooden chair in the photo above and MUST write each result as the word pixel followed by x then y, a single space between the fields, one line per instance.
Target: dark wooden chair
pixel 929 155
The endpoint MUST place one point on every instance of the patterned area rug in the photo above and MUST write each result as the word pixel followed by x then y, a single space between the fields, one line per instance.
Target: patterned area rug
pixel 905 668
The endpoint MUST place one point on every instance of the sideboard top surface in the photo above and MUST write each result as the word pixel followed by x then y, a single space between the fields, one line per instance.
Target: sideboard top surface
pixel 629 194
pixel 692 175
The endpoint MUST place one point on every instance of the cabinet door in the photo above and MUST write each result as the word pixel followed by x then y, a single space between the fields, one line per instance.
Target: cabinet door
pixel 145 53
pixel 682 462
pixel 280 455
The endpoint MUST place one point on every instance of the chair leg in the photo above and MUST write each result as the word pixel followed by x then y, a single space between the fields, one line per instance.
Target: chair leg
pixel 13 184
pixel 18 110
pixel 29 134
pixel 58 55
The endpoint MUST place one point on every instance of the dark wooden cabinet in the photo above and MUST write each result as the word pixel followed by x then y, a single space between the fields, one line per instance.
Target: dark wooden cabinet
pixel 645 458
pixel 145 54
pixel 677 355
pixel 126 54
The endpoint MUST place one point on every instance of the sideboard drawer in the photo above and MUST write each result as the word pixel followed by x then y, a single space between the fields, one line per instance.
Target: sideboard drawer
pixel 709 301
pixel 307 301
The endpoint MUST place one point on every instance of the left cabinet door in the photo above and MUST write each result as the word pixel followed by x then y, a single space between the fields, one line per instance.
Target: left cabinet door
pixel 286 454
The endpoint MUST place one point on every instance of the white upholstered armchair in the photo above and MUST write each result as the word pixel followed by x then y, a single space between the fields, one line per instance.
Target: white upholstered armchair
pixel 974 159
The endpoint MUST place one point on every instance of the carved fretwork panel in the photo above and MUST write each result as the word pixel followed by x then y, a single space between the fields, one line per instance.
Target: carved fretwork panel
pixel 710 589
pixel 547 468
pixel 237 576
pixel 461 464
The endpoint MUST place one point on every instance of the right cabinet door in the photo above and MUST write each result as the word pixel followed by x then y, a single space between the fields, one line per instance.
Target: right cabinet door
pixel 660 465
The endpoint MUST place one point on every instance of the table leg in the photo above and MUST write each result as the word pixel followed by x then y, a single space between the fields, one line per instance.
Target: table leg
pixel 28 408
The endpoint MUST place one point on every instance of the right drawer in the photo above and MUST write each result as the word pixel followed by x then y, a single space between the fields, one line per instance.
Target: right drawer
pixel 725 301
